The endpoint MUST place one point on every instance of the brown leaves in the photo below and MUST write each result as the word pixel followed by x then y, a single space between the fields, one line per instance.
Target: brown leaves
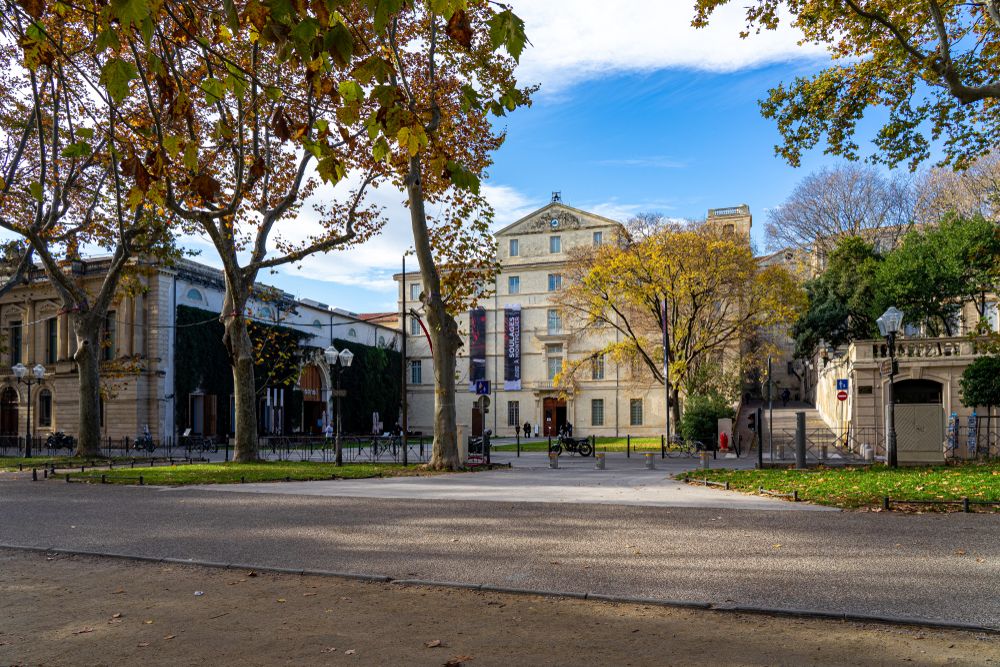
pixel 258 14
pixel 432 644
pixel 169 637
pixel 131 167
pixel 251 573
pixel 166 88
pixel 258 168
pixel 33 8
pixel 329 649
pixel 80 632
pixel 459 28
pixel 144 644
pixel 458 660
pixel 279 124
pixel 208 188
pixel 305 595
pixel 179 108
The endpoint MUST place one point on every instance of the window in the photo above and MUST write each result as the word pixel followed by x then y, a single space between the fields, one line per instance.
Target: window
pixel 45 408
pixel 597 368
pixel 513 248
pixel 317 324
pixel 514 285
pixel 597 412
pixel 555 321
pixel 415 372
pixel 108 346
pixel 381 341
pixel 15 343
pixel 414 326
pixel 352 333
pixel 635 412
pixel 513 413
pixel 555 282
pixel 555 244
pixel 415 292
pixel 265 312
pixel 598 238
pixel 194 294
pixel 51 340
pixel 554 353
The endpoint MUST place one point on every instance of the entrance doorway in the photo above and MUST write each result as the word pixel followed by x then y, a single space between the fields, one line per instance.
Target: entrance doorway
pixel 553 415
pixel 477 423
pixel 8 412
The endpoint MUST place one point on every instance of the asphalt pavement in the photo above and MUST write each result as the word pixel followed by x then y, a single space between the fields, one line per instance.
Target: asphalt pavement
pixel 932 566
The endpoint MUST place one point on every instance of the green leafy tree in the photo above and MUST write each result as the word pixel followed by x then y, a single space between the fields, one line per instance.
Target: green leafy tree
pixel 841 300
pixel 932 65
pixel 980 382
pixel 701 416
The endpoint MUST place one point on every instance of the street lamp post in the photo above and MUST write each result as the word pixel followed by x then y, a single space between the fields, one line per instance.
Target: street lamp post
pixel 19 372
pixel 888 326
pixel 346 357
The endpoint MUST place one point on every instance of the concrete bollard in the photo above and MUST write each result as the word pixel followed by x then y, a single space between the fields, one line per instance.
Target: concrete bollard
pixel 650 461
pixel 553 460
pixel 868 452
pixel 705 458
pixel 800 440
pixel 600 461
pixel 780 451
pixel 822 452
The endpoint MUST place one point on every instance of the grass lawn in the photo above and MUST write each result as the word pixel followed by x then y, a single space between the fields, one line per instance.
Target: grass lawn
pixel 865 487
pixel 230 473
pixel 610 444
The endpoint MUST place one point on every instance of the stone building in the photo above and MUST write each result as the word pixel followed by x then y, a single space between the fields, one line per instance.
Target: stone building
pixel 533 255
pixel 138 352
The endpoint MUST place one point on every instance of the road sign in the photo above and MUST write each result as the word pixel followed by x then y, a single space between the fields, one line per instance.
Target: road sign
pixel 483 402
pixel 841 385
pixel 482 387
pixel 841 395
pixel 338 393
pixel 769 391
pixel 886 367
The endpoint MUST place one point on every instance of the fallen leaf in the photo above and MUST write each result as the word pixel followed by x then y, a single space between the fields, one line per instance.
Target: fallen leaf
pixel 251 573
pixel 555 562
pixel 4 643
pixel 455 540
pixel 182 501
pixel 776 546
pixel 147 622
pixel 232 583
pixel 316 586
pixel 117 592
pixel 585 567
pixel 348 599
pixel 145 644
pixel 305 595
pixel 169 637
pixel 80 632
pixel 329 649
pixel 118 615
pixel 114 620
pixel 960 553
pixel 280 600
pixel 979 560
pixel 349 652
pixel 432 644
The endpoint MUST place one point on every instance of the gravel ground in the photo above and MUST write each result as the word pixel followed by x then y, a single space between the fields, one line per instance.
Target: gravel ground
pixel 887 563
pixel 80 611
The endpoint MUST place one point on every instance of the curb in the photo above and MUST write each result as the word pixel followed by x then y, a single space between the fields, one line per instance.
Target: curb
pixel 620 599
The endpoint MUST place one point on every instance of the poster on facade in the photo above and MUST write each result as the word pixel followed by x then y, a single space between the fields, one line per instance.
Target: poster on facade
pixel 512 347
pixel 477 346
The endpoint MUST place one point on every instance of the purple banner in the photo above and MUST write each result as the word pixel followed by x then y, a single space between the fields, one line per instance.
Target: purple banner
pixel 512 347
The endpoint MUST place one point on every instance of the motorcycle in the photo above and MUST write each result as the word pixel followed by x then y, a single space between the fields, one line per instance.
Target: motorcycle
pixel 59 441
pixel 581 446
pixel 478 449
pixel 144 442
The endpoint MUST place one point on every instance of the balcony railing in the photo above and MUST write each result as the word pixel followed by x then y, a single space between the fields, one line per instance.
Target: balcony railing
pixel 952 346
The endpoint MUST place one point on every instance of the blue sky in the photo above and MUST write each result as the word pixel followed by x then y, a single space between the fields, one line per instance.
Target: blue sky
pixel 637 112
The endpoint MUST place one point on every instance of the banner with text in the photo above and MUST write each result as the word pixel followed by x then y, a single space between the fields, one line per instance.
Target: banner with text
pixel 512 347
pixel 477 346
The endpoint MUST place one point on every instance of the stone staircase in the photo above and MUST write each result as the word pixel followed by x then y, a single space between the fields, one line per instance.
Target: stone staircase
pixel 782 424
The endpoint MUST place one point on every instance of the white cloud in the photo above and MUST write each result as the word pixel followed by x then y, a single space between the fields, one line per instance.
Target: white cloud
pixel 578 40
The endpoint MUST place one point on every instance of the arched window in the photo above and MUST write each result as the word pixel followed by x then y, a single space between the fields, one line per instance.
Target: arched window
pixel 194 294
pixel 317 325
pixel 381 341
pixel 352 333
pixel 265 312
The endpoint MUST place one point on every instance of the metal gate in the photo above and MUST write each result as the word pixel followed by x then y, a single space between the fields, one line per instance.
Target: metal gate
pixel 920 433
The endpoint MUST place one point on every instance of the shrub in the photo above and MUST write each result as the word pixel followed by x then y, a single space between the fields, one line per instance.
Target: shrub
pixel 701 416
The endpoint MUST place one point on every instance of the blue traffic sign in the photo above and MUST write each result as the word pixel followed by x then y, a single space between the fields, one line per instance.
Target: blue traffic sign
pixel 841 385
pixel 482 387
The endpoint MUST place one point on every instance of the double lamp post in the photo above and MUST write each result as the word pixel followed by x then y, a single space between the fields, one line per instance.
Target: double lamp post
pixel 345 357
pixel 889 325
pixel 20 370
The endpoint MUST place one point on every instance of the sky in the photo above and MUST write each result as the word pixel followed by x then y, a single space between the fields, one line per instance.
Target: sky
pixel 637 112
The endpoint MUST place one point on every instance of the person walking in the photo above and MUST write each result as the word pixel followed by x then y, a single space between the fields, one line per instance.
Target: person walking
pixel 527 430
pixel 785 395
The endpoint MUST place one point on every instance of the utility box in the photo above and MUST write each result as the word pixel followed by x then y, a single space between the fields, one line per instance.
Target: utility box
pixel 919 433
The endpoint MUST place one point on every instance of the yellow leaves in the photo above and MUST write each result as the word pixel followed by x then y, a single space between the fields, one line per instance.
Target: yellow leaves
pixel 411 138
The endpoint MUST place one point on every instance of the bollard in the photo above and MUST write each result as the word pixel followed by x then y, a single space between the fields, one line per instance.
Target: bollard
pixel 822 452
pixel 704 460
pixel 628 446
pixel 243 479
pixel 45 473
pixel 102 480
pixel 885 503
pixel 518 435
pixel 287 478
pixel 34 474
pixel 965 505
pixel 650 461
pixel 663 446
pixel 600 461
pixel 67 477
pixel 553 460
pixel 20 467
pixel 800 440
pixel 140 480
pixel 780 450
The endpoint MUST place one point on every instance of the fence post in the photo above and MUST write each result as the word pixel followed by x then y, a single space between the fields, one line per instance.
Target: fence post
pixel 102 479
pixel 663 446
pixel 550 444
pixel 965 505
pixel 34 476
pixel 517 433
pixel 800 440
pixel 885 503
pixel 140 480
pixel 628 446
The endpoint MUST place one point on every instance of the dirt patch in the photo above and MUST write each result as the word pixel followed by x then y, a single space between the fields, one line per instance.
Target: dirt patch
pixel 81 611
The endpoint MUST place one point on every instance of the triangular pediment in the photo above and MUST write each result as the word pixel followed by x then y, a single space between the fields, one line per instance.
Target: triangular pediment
pixel 555 217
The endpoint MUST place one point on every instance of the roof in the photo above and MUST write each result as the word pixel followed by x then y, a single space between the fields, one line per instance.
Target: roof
pixel 552 205
pixel 375 317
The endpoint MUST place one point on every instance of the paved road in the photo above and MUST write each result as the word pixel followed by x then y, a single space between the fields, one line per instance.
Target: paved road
pixel 888 563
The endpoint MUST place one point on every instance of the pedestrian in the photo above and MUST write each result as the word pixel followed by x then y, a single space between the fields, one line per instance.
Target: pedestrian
pixel 329 433
pixel 569 430
pixel 785 395
pixel 527 430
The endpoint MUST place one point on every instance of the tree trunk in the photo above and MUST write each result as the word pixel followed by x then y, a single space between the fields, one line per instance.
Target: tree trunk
pixel 87 359
pixel 443 332
pixel 240 348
